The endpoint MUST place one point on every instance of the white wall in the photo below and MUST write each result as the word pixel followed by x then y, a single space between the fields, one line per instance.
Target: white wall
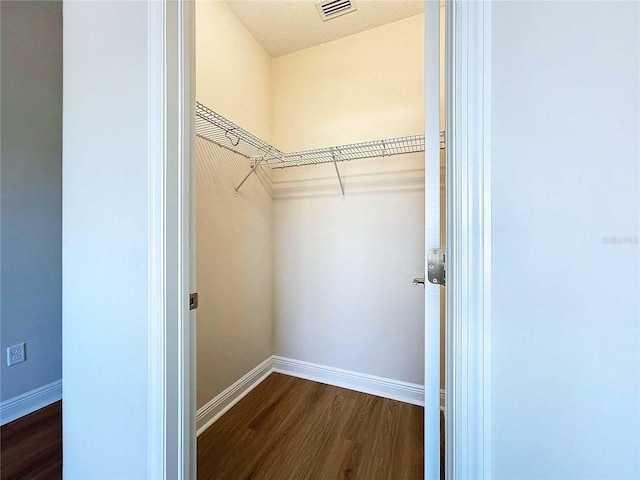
pixel 233 74
pixel 343 268
pixel 105 240
pixel 367 86
pixel 233 234
pixel 234 270
pixel 31 186
pixel 565 180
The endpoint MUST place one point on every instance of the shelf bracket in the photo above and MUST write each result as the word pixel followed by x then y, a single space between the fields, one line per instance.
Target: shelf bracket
pixel 335 164
pixel 252 170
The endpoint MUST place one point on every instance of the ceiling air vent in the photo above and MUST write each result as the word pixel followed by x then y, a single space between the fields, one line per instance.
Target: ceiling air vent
pixel 329 9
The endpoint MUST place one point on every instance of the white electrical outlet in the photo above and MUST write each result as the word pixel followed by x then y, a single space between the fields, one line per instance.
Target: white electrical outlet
pixel 15 354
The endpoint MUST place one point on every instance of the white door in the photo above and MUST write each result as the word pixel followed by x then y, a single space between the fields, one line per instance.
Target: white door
pixel 432 240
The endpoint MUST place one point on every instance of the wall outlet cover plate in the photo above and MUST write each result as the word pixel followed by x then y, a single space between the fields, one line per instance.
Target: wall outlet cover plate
pixel 16 354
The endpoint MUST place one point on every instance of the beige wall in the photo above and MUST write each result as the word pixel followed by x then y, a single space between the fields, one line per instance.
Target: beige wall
pixel 363 87
pixel 233 74
pixel 233 234
pixel 234 270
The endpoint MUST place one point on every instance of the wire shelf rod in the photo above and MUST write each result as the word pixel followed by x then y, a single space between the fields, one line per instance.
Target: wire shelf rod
pixel 214 127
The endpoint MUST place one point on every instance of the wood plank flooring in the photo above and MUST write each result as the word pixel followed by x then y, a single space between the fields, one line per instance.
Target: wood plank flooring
pixel 31 446
pixel 293 429
pixel 285 429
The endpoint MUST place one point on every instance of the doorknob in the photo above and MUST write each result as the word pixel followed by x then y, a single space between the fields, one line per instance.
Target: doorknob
pixel 418 280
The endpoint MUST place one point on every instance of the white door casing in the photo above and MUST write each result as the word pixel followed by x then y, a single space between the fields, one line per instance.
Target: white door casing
pixel 468 307
pixel 468 339
pixel 171 354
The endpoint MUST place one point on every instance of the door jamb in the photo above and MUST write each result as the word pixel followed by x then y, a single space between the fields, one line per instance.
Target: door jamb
pixel 170 87
pixel 468 303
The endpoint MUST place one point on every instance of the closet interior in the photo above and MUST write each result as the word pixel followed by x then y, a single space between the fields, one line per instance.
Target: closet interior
pixel 309 201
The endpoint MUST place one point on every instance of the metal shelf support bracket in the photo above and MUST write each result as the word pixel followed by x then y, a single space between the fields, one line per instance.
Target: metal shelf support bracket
pixel 335 164
pixel 250 172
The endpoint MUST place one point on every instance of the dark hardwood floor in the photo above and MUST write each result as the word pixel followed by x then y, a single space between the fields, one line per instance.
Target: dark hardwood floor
pixel 31 447
pixel 293 429
pixel 285 429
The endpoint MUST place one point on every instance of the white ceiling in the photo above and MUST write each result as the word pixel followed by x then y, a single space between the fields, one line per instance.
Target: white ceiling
pixel 285 26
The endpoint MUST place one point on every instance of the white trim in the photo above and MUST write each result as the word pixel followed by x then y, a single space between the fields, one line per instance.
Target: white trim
pixel 210 412
pixel 29 402
pixel 468 336
pixel 157 320
pixel 171 421
pixel 188 145
pixel 360 382
pixel 183 90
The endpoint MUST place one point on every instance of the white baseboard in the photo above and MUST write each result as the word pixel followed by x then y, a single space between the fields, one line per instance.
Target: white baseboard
pixel 29 402
pixel 360 382
pixel 219 405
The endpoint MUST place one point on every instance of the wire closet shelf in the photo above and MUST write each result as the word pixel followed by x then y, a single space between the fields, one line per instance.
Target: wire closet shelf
pixel 217 129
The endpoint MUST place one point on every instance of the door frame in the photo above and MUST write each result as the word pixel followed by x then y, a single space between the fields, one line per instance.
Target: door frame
pixel 468 231
pixel 171 414
pixel 171 164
